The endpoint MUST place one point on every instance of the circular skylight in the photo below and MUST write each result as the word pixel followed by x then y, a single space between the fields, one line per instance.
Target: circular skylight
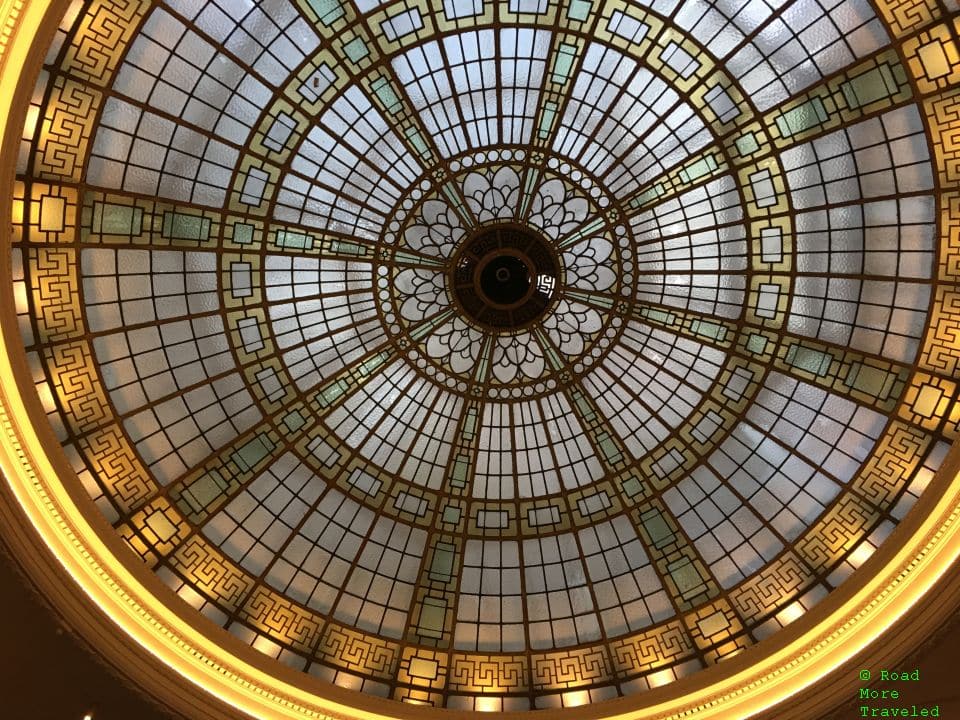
pixel 491 355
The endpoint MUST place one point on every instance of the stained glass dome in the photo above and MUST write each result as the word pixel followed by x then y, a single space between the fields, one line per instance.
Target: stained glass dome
pixel 490 355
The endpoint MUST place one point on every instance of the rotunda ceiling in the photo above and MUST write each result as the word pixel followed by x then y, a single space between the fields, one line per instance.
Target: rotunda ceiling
pixel 493 355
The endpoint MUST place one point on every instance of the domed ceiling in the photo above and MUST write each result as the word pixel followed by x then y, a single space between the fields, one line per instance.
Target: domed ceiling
pixel 495 355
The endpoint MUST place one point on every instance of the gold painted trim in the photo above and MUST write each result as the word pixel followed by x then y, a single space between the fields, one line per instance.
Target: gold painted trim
pixel 903 575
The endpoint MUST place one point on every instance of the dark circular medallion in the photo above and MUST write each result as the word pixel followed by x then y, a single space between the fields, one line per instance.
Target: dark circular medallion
pixel 504 277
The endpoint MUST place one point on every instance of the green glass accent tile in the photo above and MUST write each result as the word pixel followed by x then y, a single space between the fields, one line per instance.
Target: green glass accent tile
pixel 583 232
pixel 553 357
pixel 203 491
pixel 356 50
pixel 579 10
pixel 563 62
pixel 252 452
pixel 547 118
pixel 480 371
pixel 870 380
pixel 584 407
pixel 459 471
pixel 703 166
pixel 405 257
pixel 589 299
pixel 371 365
pixel 712 330
pixel 686 577
pixel 293 420
pixel 180 226
pixel 416 139
pixel 470 424
pixel 423 330
pixel 660 533
pixel 454 197
pixel 747 144
pixel 632 486
pixel 609 448
pixel 533 179
pixel 594 225
pixel 451 515
pixel 348 248
pixel 757 344
pixel 329 11
pixel 660 316
pixel 432 614
pixel 384 92
pixel 648 195
pixel 110 219
pixel 804 358
pixel 330 394
pixel 243 233
pixel 803 117
pixel 441 569
pixel 296 240
pixel 868 87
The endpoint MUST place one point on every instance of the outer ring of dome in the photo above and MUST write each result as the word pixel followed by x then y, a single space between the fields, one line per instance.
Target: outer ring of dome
pixel 168 647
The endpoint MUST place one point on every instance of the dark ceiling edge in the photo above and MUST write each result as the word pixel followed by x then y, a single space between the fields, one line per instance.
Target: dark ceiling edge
pixel 92 629
pixel 950 627
pixel 930 619
pixel 56 618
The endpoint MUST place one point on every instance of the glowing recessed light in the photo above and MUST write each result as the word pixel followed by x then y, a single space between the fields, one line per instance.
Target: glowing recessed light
pixel 859 556
pixel 792 612
pixel 660 678
pixel 487 704
pixel 575 698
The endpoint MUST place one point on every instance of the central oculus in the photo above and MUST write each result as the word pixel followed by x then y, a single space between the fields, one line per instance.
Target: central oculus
pixel 504 277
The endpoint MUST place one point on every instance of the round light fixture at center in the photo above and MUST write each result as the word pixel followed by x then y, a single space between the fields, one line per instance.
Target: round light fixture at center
pixel 504 277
